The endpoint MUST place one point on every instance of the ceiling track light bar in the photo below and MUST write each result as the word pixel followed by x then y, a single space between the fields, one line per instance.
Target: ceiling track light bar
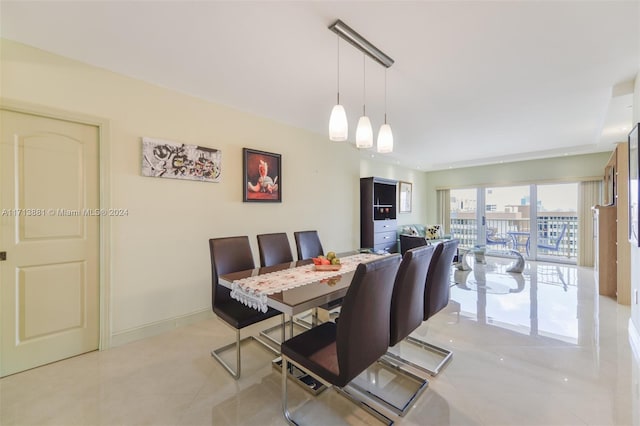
pixel 347 33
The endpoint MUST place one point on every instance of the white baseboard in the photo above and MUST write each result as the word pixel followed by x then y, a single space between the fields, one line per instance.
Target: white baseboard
pixel 634 340
pixel 159 327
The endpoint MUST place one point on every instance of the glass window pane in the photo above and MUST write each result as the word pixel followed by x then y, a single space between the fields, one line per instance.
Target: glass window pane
pixel 557 221
pixel 463 216
pixel 507 212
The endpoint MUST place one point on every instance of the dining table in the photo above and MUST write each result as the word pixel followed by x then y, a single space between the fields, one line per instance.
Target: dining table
pixel 293 288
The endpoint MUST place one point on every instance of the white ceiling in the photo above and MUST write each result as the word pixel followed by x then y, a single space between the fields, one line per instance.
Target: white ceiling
pixel 473 82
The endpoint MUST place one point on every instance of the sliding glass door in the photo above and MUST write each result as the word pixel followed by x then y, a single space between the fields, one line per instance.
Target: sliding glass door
pixel 464 216
pixel 502 218
pixel 557 222
pixel 507 217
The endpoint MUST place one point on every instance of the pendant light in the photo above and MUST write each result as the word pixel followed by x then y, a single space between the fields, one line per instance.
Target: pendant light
pixel 385 136
pixel 364 132
pixel 338 120
pixel 338 125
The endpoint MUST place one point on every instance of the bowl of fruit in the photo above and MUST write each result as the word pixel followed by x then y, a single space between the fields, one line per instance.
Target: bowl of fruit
pixel 330 262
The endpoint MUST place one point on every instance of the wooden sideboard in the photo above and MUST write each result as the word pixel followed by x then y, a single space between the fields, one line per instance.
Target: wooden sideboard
pixel 605 234
pixel 612 251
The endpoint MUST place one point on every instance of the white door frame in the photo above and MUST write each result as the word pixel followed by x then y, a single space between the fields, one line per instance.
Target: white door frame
pixel 481 215
pixel 104 163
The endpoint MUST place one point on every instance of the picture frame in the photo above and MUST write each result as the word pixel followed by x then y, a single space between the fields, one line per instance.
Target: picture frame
pixel 168 159
pixel 609 185
pixel 262 176
pixel 405 195
pixel 634 172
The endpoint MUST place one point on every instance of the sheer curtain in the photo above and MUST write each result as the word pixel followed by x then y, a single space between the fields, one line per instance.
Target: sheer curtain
pixel 589 194
pixel 444 209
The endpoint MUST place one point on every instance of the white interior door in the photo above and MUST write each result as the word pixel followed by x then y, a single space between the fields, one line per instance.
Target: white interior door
pixel 49 230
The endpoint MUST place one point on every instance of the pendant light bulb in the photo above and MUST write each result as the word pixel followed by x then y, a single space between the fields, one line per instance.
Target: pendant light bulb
pixel 338 125
pixel 385 139
pixel 364 133
pixel 385 136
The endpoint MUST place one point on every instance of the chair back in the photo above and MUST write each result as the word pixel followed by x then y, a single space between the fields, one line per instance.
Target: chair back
pixel 555 244
pixel 407 242
pixel 308 244
pixel 228 255
pixel 494 238
pixel 274 249
pixel 407 303
pixel 437 289
pixel 362 334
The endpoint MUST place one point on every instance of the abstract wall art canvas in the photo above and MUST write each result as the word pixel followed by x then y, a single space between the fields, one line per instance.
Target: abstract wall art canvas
pixel 166 159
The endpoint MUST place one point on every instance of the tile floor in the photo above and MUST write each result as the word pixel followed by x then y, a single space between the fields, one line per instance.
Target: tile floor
pixel 541 348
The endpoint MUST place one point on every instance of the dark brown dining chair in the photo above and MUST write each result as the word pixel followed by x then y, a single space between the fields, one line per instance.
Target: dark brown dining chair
pixel 308 244
pixel 407 242
pixel 336 353
pixel 228 255
pixel 407 305
pixel 437 290
pixel 436 295
pixel 407 310
pixel 274 249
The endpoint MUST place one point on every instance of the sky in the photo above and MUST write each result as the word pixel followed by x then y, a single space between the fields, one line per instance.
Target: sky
pixel 552 197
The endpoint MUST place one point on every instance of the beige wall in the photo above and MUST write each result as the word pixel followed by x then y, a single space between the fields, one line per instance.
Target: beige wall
pixel 160 258
pixel 569 168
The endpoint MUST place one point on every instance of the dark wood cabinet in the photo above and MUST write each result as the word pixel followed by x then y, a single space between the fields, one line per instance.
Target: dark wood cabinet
pixel 378 210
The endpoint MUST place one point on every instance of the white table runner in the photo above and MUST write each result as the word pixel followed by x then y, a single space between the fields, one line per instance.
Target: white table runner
pixel 253 291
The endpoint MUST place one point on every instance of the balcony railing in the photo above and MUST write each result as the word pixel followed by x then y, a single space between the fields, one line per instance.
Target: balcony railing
pixel 515 233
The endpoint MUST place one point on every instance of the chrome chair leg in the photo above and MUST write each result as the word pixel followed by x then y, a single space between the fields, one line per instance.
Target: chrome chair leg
pixel 282 330
pixel 215 353
pixel 238 371
pixel 400 363
pixel 446 353
pixel 422 385
pixel 285 377
pixel 291 322
pixel 328 313
pixel 265 333
pixel 365 406
pixel 307 325
pixel 361 402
